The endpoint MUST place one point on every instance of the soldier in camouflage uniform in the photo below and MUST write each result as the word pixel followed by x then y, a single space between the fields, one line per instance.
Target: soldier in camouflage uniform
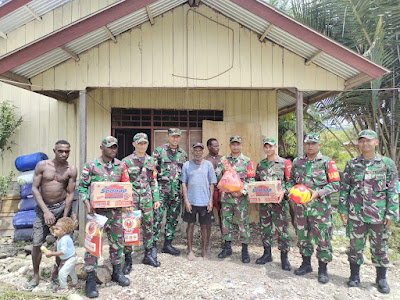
pixel 236 203
pixel 142 174
pixel 274 217
pixel 369 204
pixel 169 159
pixel 314 221
pixel 105 168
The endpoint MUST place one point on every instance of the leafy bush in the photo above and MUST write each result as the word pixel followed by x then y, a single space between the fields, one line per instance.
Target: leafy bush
pixel 5 183
pixel 9 123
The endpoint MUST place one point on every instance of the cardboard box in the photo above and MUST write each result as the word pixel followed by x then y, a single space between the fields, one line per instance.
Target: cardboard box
pixel 264 191
pixel 110 194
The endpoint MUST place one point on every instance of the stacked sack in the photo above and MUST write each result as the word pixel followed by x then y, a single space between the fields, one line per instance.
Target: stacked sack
pixel 24 218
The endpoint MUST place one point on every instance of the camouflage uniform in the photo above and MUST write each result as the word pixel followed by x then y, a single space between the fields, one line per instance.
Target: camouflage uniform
pixel 169 164
pixel 98 171
pixel 314 220
pixel 275 216
pixel 142 175
pixel 368 196
pixel 238 207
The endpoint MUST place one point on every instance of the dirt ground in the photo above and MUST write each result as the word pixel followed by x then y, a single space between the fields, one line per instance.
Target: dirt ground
pixel 178 278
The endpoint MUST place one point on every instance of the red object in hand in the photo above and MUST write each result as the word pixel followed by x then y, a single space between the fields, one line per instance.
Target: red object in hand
pixel 230 181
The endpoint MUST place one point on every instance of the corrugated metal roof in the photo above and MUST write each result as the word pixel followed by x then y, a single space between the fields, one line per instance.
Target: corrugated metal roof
pixel 4 2
pixel 94 38
pixel 281 37
pixel 21 16
pixel 226 7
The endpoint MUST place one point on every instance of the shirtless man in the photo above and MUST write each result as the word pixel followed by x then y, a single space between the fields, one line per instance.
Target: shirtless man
pixel 56 178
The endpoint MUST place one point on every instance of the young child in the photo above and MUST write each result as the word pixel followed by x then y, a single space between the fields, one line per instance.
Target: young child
pixel 66 252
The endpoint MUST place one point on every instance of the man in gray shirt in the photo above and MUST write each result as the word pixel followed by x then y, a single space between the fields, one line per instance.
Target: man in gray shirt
pixel 198 179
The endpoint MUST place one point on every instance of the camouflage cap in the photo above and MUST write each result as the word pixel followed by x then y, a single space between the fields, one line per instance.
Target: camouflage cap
pixel 140 137
pixel 198 144
pixel 235 138
pixel 368 134
pixel 269 140
pixel 174 131
pixel 109 141
pixel 311 137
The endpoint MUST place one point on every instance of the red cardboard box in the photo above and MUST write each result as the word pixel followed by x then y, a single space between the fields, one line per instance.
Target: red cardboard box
pixel 110 194
pixel 264 191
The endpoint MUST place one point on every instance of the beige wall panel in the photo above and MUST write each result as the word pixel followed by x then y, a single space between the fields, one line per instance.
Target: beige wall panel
pixel 16 38
pixel 277 66
pixel 104 64
pixel 3 46
pixel 82 65
pixel 288 69
pixel 179 46
pixel 136 57
pixel 225 50
pixel 266 63
pixel 245 56
pixel 92 65
pixel 234 73
pixel 42 121
pixel 48 79
pixel 157 55
pixel 29 32
pixel 67 13
pixel 147 56
pixel 45 26
pixel 58 18
pixel 167 49
pixel 256 61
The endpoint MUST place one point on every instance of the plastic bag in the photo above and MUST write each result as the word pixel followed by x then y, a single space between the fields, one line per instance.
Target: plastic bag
pixel 230 181
pixel 94 234
pixel 131 224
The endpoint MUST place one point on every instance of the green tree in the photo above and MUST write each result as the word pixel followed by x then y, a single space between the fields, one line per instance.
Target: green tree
pixel 10 121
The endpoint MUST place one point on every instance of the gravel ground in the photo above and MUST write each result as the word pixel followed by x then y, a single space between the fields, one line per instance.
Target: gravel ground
pixel 178 278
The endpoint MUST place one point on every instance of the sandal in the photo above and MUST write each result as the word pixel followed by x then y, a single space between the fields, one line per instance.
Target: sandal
pixel 63 291
pixel 29 286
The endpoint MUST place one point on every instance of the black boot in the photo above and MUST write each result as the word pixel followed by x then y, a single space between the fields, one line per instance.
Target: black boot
pixel 149 259
pixel 322 272
pixel 227 251
pixel 305 266
pixel 284 261
pixel 90 286
pixel 168 248
pixel 117 276
pixel 266 257
pixel 128 264
pixel 154 250
pixel 354 279
pixel 383 286
pixel 245 254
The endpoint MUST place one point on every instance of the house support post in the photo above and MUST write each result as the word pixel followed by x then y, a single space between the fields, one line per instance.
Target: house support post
pixel 299 122
pixel 82 159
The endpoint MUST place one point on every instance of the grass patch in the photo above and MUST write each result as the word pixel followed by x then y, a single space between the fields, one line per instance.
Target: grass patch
pixel 16 295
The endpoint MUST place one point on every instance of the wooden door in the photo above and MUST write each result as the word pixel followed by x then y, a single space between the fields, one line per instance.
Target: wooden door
pixel 252 144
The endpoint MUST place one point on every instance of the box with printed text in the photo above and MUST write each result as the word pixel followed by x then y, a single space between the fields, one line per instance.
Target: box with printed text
pixel 264 191
pixel 111 194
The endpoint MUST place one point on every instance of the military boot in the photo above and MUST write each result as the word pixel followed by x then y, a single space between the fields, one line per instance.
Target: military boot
pixel 168 248
pixel 154 250
pixel 117 276
pixel 149 259
pixel 354 279
pixel 128 264
pixel 266 257
pixel 90 286
pixel 245 254
pixel 383 286
pixel 285 264
pixel 305 266
pixel 322 272
pixel 227 251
